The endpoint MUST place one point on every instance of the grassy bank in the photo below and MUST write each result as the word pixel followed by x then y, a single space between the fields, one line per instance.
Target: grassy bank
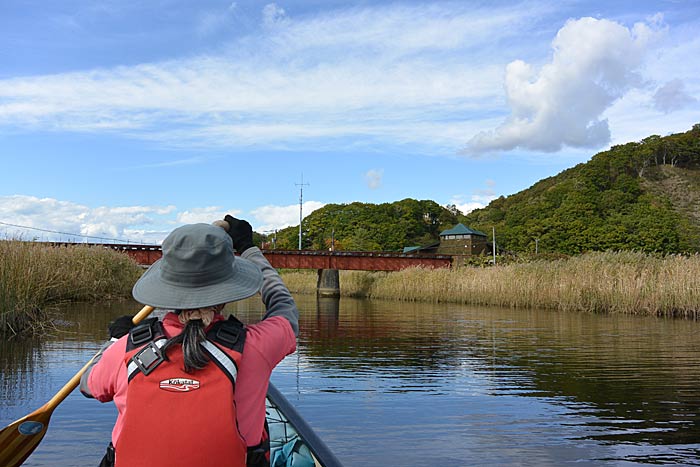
pixel 625 282
pixel 34 276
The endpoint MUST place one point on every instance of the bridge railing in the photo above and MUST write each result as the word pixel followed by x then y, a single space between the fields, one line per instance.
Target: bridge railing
pixel 305 259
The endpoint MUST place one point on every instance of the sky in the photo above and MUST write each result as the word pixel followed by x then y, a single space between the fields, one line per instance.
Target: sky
pixel 123 119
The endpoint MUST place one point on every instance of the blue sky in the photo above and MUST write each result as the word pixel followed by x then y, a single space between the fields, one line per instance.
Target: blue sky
pixel 124 119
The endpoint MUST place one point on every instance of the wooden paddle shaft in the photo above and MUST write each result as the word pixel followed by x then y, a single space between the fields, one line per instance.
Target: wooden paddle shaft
pixel 75 380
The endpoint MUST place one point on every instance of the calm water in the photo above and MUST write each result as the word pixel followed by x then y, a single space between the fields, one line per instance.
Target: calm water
pixel 401 384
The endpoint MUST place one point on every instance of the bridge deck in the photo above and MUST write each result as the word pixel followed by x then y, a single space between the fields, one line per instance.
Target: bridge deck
pixel 313 259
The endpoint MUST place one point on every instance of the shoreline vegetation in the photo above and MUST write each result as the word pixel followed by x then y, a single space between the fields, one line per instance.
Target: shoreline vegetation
pixel 35 277
pixel 600 282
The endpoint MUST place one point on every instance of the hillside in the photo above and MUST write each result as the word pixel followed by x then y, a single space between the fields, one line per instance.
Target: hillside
pixel 371 227
pixel 637 196
pixel 641 196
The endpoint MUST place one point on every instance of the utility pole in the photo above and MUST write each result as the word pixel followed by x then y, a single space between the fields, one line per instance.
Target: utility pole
pixel 301 202
pixel 537 240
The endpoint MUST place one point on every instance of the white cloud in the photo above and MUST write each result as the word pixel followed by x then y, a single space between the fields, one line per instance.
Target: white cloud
pixel 273 15
pixel 365 74
pixel 479 198
pixel 594 63
pixel 48 219
pixel 29 217
pixel 270 218
pixel 402 28
pixel 636 118
pixel 205 215
pixel 373 177
pixel 672 96
pixel 426 75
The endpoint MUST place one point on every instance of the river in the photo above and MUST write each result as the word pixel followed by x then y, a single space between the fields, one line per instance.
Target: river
pixel 406 384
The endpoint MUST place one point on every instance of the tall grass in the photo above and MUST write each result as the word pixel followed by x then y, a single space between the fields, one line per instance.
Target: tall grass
pixel 34 276
pixel 622 282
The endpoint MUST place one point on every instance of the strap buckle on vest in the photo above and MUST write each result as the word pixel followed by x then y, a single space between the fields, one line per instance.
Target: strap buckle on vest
pixel 228 335
pixel 142 333
pixel 148 358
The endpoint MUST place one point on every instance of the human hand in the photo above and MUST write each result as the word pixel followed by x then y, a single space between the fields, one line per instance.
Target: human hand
pixel 120 327
pixel 241 233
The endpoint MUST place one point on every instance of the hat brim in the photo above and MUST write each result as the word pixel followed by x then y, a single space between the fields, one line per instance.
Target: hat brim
pixel 152 290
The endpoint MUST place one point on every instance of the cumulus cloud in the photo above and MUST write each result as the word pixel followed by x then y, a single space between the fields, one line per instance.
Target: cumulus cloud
pixel 373 177
pixel 29 217
pixel 479 198
pixel 672 96
pixel 594 63
pixel 49 219
pixel 269 218
pixel 205 215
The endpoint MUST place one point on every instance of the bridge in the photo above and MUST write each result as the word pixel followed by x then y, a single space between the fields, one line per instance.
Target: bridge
pixel 327 263
pixel 145 255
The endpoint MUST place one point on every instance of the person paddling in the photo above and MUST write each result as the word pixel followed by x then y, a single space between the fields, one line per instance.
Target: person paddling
pixel 190 389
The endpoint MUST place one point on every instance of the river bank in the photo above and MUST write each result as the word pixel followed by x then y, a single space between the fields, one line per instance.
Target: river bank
pixel 609 282
pixel 35 277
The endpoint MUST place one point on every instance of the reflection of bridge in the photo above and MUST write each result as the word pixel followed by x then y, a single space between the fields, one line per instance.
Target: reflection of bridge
pixel 307 259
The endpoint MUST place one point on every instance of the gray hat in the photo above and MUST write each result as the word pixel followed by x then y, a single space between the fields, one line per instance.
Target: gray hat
pixel 198 269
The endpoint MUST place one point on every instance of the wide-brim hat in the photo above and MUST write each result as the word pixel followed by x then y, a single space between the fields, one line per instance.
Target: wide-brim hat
pixel 198 269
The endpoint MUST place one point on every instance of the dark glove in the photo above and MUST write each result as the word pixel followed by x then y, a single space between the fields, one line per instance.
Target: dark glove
pixel 121 326
pixel 240 232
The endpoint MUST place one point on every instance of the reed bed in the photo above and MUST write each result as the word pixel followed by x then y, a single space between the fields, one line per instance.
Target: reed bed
pixel 604 282
pixel 34 276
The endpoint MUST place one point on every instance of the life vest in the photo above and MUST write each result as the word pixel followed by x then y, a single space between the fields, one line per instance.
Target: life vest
pixel 178 419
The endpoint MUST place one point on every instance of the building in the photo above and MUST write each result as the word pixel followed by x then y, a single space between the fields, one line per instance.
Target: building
pixel 460 240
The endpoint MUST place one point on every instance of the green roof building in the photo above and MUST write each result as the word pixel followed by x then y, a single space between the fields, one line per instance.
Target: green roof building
pixel 460 229
pixel 460 240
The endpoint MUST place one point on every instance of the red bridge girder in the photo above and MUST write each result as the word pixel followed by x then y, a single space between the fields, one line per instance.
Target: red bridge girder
pixel 311 259
pixel 353 260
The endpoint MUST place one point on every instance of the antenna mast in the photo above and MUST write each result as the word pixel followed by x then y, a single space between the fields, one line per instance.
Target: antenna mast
pixel 301 202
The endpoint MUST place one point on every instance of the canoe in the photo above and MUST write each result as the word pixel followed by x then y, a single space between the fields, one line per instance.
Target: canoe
pixel 291 435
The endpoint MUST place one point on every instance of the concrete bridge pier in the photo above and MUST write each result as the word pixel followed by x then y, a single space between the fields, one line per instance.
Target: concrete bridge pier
pixel 328 284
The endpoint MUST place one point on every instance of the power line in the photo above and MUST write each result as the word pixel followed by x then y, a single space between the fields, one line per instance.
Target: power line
pixel 65 233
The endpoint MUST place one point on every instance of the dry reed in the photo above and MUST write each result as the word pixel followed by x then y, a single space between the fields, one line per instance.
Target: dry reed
pixel 609 282
pixel 34 276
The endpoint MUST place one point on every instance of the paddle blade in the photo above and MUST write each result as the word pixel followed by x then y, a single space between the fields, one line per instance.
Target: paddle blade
pixel 19 439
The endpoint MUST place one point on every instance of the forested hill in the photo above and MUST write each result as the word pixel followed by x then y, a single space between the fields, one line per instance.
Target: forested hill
pixel 642 196
pixel 637 196
pixel 371 227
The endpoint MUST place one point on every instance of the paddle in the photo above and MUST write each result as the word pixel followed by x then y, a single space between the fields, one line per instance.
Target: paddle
pixel 19 439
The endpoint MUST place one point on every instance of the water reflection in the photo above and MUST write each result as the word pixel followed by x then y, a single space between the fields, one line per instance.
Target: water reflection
pixel 617 380
pixel 20 370
pixel 443 384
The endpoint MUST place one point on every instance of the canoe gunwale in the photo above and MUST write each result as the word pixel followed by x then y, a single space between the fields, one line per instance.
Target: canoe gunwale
pixel 323 456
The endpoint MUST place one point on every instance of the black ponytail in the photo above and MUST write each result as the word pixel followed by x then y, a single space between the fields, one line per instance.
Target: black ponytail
pixel 190 338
